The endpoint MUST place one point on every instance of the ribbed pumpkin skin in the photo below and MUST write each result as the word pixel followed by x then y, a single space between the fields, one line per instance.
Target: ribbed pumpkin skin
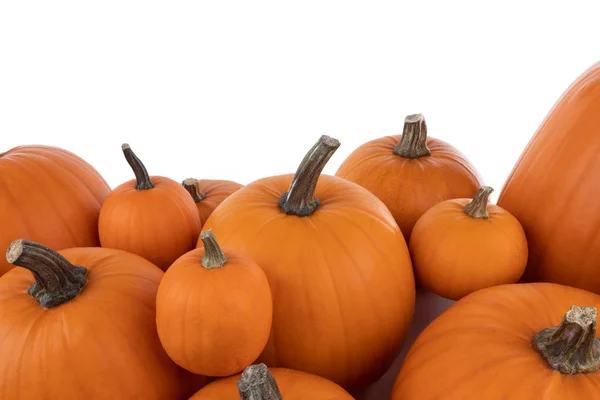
pixel 480 348
pixel 408 187
pixel 341 279
pixel 293 385
pixel 49 195
pixel 553 189
pixel 216 191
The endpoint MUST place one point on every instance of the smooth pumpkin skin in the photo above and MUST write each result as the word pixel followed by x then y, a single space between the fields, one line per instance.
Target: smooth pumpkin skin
pixel 160 224
pixel 102 344
pixel 454 254
pixel 553 188
pixel 481 348
pixel 50 195
pixel 216 190
pixel 409 187
pixel 341 279
pixel 293 385
pixel 223 315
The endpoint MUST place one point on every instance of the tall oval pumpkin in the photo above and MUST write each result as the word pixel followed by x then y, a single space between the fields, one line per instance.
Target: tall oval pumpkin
pixel 554 187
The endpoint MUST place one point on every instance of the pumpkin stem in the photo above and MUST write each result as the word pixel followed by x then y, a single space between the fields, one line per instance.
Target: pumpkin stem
pixel 213 255
pixel 299 199
pixel 572 347
pixel 413 143
pixel 56 280
pixel 477 208
pixel 142 178
pixel 257 383
pixel 191 185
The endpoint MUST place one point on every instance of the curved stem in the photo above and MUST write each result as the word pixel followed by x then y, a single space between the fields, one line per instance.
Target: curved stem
pixel 477 208
pixel 142 178
pixel 413 143
pixel 191 185
pixel 213 255
pixel 257 383
pixel 56 279
pixel 299 199
pixel 572 347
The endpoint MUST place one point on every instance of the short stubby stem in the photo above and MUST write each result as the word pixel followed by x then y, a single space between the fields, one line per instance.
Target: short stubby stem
pixel 413 142
pixel 477 208
pixel 56 279
pixel 257 383
pixel 142 178
pixel 191 185
pixel 571 347
pixel 300 198
pixel 213 255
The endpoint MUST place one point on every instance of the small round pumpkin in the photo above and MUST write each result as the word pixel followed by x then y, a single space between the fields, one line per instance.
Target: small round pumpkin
pixel 411 173
pixel 80 324
pixel 49 195
pixel 518 341
pixel 151 216
pixel 462 245
pixel 257 382
pixel 209 193
pixel 220 302
pixel 339 269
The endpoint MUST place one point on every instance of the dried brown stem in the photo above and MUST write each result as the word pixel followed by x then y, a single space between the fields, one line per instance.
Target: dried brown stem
pixel 142 178
pixel 413 142
pixel 191 185
pixel 477 208
pixel 257 383
pixel 213 255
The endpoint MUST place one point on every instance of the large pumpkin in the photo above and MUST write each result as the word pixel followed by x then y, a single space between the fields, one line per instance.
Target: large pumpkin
pixel 80 324
pixel 553 189
pixel 516 341
pixel 338 266
pixel 209 193
pixel 49 195
pixel 411 172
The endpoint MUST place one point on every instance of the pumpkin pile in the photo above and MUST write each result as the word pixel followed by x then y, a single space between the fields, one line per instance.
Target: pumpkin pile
pixel 304 285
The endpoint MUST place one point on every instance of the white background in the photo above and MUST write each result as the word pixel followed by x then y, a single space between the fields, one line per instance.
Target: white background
pixel 241 90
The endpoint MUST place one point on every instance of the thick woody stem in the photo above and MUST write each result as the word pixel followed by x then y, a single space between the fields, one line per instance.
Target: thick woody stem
pixel 257 383
pixel 477 208
pixel 213 255
pixel 142 178
pixel 413 143
pixel 572 347
pixel 56 279
pixel 191 185
pixel 300 198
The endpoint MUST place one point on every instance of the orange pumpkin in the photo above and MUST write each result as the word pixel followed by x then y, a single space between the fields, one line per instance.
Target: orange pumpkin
pixel 220 302
pixel 51 195
pixel 553 189
pixel 151 216
pixel 257 382
pixel 80 324
pixel 209 193
pixel 411 173
pixel 338 267
pixel 462 245
pixel 516 341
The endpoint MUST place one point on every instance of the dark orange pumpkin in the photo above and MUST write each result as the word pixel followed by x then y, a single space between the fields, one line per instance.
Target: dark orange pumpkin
pixel 49 195
pixel 214 310
pixel 553 189
pixel 209 193
pixel 517 341
pixel 151 216
pixel 338 267
pixel 80 324
pixel 257 382
pixel 411 172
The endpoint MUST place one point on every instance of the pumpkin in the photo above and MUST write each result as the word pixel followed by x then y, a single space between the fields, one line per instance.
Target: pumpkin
pixel 462 245
pixel 516 341
pixel 257 382
pixel 51 195
pixel 411 173
pixel 151 216
pixel 80 323
pixel 209 193
pixel 552 189
pixel 220 302
pixel 338 266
